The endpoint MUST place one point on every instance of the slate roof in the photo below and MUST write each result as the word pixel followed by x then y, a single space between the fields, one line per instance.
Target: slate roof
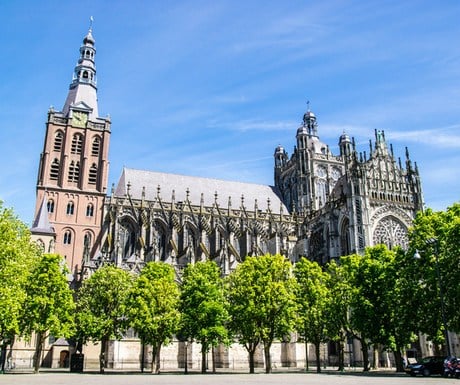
pixel 138 179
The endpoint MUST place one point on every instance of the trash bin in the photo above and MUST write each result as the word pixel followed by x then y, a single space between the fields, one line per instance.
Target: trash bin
pixel 76 362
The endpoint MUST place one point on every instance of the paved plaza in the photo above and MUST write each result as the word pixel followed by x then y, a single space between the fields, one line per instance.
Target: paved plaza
pixel 298 378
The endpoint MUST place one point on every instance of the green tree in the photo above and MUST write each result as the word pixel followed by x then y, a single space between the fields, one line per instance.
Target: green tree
pixel 102 307
pixel 153 308
pixel 435 236
pixel 204 313
pixel 17 255
pixel 49 307
pixel 261 294
pixel 367 275
pixel 382 306
pixel 314 300
pixel 338 315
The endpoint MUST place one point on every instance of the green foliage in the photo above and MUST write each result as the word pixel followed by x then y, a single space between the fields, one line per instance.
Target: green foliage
pixel 17 255
pixel 102 304
pixel 153 305
pixel 203 306
pixel 436 237
pixel 313 298
pixel 49 305
pixel 261 294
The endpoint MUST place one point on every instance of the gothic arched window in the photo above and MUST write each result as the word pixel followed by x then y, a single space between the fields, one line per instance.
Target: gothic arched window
pixel 92 178
pixel 74 171
pixel 50 206
pixel 90 210
pixel 70 208
pixel 54 170
pixel 77 144
pixel 96 146
pixel 67 238
pixel 58 139
pixel 391 232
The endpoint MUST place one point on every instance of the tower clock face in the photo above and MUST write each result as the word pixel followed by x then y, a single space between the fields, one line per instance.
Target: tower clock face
pixel 79 118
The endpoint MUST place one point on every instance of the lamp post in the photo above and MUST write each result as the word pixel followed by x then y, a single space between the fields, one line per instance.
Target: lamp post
pixel 435 244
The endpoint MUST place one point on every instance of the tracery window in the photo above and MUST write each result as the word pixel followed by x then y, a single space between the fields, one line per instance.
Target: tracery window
pixel 58 139
pixel 96 146
pixel 74 171
pixel 92 177
pixel 391 232
pixel 77 144
pixel 54 170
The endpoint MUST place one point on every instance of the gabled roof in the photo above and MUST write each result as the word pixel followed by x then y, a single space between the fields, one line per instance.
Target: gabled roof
pixel 151 181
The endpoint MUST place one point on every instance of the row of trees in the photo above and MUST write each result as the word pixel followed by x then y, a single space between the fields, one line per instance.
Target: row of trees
pixel 383 298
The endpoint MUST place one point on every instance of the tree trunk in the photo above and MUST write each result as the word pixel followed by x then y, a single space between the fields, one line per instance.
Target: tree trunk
pixel 251 351
pixel 213 355
pixel 3 356
pixel 142 355
pixel 38 352
pixel 364 349
pixel 204 349
pixel 398 360
pixel 102 354
pixel 156 351
pixel 375 364
pixel 318 357
pixel 268 358
pixel 341 345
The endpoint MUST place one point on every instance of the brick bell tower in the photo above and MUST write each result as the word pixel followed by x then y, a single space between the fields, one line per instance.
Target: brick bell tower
pixel 73 170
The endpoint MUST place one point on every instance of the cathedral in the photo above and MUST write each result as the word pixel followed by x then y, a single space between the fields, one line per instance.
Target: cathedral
pixel 320 206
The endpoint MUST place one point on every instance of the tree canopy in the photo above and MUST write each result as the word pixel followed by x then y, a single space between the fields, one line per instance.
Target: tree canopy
pixel 102 307
pixel 153 307
pixel 204 313
pixel 49 307
pixel 261 294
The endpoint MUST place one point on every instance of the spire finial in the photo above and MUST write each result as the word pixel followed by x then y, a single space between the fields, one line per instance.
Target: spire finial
pixel 91 19
pixel 308 106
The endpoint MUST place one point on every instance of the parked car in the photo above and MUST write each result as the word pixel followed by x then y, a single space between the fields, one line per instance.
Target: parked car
pixel 427 366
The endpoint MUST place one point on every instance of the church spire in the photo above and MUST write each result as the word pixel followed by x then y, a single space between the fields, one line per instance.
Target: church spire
pixel 83 89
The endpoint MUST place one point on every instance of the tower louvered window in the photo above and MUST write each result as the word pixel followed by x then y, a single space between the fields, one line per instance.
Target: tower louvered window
pixel 58 139
pixel 92 174
pixel 96 146
pixel 74 171
pixel 54 170
pixel 77 144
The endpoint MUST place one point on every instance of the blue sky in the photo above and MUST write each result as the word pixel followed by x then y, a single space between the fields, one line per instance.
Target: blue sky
pixel 210 88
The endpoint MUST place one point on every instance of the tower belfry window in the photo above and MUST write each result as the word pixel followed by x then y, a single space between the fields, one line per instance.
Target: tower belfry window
pixel 74 171
pixel 96 146
pixel 77 144
pixel 92 174
pixel 54 170
pixel 90 210
pixel 58 141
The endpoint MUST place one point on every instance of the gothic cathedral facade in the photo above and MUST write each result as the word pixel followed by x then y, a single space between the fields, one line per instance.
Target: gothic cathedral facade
pixel 322 205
